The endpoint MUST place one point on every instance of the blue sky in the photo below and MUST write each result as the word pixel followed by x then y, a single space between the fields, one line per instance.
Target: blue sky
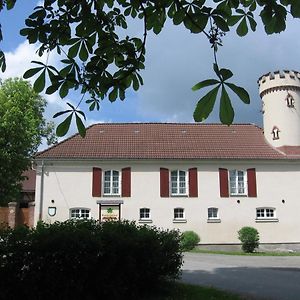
pixel 175 61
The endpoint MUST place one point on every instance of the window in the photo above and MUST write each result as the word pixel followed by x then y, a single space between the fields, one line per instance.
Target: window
pixel 178 213
pixel 178 183
pixel 144 213
pixel 80 213
pixel 111 182
pixel 238 182
pixel 213 213
pixel 265 213
pixel 290 102
pixel 275 133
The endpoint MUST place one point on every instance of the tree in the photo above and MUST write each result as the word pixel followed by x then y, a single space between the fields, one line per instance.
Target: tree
pixel 99 61
pixel 22 128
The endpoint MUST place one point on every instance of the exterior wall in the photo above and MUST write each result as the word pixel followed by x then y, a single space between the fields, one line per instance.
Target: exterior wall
pixel 69 185
pixel 274 89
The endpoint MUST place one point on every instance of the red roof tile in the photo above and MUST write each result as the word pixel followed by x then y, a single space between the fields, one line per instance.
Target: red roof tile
pixel 165 141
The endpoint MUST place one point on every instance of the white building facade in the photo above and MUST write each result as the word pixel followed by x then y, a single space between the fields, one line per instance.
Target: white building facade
pixel 209 178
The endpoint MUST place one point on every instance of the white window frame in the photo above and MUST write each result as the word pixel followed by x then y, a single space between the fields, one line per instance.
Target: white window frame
pixel 234 177
pixel 81 211
pixel 178 182
pixel 213 210
pixel 264 213
pixel 144 212
pixel 110 183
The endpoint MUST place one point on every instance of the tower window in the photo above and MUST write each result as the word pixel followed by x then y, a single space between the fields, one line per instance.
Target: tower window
pixel 290 102
pixel 275 133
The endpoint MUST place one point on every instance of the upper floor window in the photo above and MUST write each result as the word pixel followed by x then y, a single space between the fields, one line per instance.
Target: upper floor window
pixel 145 213
pixel 265 213
pixel 238 182
pixel 111 182
pixel 178 183
pixel 213 213
pixel 80 213
pixel 290 102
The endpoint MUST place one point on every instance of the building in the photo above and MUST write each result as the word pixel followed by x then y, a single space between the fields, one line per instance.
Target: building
pixel 210 178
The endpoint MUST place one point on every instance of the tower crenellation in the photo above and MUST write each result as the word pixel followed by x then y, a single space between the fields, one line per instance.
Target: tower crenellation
pixel 280 94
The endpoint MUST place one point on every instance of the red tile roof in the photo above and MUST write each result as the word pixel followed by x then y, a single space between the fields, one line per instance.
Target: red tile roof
pixel 165 141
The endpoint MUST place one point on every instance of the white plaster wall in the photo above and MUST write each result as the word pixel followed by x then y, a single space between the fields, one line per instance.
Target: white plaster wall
pixel 70 185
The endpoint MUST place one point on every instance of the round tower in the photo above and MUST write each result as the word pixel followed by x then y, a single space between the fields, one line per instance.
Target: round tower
pixel 280 94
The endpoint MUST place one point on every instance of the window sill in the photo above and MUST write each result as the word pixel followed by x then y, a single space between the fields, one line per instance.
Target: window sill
pixel 111 195
pixel 213 220
pixel 238 195
pixel 145 221
pixel 179 221
pixel 271 220
pixel 179 196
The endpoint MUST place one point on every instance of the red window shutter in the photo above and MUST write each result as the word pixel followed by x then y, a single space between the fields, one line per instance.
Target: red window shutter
pixel 193 182
pixel 164 182
pixel 126 182
pixel 223 177
pixel 251 175
pixel 97 176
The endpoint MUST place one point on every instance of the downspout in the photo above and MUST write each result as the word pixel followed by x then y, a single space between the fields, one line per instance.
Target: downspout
pixel 41 193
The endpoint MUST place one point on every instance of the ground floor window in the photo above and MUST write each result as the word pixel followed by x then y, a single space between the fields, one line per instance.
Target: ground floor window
pixel 212 213
pixel 178 213
pixel 80 213
pixel 145 213
pixel 266 214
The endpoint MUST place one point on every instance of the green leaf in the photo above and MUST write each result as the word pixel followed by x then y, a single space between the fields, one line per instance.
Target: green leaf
pixel 179 16
pixel 226 110
pixel 83 53
pixel 73 51
pixel 63 127
pixel 252 23
pixel 204 83
pixel 31 72
pixel 226 74
pixel 295 9
pixel 240 92
pixel 64 90
pixel 242 29
pixel 61 113
pixel 205 105
pixel 233 20
pixel 113 95
pixel 39 84
pixel 10 4
pixel 80 126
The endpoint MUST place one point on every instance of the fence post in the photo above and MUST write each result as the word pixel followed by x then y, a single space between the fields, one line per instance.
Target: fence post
pixel 12 214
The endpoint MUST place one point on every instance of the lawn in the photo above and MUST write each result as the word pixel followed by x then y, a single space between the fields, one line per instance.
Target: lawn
pixel 246 254
pixel 182 291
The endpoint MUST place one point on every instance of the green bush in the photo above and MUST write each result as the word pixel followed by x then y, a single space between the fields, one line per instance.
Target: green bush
pixel 86 260
pixel 250 239
pixel 189 240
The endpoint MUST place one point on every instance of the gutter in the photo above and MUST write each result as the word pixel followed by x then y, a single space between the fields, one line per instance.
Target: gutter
pixel 41 193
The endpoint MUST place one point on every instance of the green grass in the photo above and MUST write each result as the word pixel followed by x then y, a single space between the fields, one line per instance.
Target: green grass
pixel 246 254
pixel 182 291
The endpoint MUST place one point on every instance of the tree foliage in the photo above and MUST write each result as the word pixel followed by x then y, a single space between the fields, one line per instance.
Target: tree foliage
pixel 22 128
pixel 101 62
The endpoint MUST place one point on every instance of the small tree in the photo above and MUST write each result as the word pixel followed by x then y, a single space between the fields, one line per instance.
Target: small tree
pixel 249 237
pixel 22 127
pixel 189 240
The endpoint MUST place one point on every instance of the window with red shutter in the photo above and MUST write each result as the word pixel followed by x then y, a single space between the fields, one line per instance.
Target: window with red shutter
pixel 193 182
pixel 164 182
pixel 252 189
pixel 126 182
pixel 223 178
pixel 96 183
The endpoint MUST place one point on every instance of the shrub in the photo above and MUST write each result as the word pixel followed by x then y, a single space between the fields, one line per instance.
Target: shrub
pixel 86 259
pixel 189 240
pixel 250 239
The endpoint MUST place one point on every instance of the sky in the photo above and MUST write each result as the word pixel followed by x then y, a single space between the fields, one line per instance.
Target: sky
pixel 175 61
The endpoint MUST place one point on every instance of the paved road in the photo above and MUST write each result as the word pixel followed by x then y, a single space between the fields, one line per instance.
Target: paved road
pixel 257 277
